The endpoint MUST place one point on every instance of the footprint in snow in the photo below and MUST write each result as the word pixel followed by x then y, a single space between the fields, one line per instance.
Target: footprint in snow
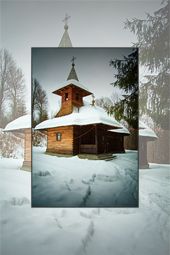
pixel 89 181
pixel 19 201
pixel 106 178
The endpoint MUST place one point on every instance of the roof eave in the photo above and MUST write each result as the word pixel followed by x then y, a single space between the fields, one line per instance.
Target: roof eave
pixel 58 91
pixel 75 124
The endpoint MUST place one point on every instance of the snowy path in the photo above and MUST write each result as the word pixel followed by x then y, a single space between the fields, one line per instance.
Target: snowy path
pixel 74 182
pixel 134 231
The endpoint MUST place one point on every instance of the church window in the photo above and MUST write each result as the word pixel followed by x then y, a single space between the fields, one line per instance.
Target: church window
pixel 66 96
pixel 58 136
pixel 77 96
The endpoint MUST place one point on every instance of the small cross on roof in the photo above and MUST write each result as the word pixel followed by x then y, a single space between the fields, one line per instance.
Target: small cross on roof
pixel 72 60
pixel 65 20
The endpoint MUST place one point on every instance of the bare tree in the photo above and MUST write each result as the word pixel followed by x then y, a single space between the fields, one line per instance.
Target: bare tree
pixel 105 103
pixel 35 85
pixel 16 90
pixel 6 63
pixel 39 103
pixel 12 86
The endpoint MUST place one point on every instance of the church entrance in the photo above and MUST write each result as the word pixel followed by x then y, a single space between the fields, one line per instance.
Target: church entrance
pixel 87 140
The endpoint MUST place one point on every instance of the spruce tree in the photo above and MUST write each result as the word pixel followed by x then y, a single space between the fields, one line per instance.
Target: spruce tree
pixel 153 42
pixel 127 80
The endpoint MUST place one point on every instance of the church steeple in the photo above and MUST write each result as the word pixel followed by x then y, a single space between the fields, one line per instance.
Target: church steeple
pixel 72 74
pixel 72 93
pixel 65 40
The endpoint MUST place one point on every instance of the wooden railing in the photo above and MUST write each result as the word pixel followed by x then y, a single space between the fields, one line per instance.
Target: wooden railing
pixel 88 148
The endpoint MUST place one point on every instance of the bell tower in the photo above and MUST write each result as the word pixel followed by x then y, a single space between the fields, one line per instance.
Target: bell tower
pixel 72 93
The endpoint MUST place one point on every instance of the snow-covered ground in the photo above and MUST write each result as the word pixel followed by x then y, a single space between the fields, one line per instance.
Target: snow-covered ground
pixel 131 231
pixel 75 182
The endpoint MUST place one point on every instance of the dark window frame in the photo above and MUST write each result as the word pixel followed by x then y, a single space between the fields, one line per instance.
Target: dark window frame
pixel 77 96
pixel 66 96
pixel 58 136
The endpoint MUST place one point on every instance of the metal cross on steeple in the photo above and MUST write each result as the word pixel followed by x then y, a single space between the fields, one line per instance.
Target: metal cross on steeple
pixel 65 40
pixel 72 74
pixel 65 20
pixel 72 60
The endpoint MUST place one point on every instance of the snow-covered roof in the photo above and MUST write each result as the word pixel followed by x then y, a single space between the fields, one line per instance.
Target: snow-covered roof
pixel 120 130
pixel 73 82
pixel 87 115
pixel 22 122
pixel 145 131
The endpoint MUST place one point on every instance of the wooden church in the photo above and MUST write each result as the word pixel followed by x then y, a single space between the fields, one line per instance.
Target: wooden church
pixel 81 128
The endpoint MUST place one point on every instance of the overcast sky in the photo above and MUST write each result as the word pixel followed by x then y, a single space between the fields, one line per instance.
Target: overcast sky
pixel 26 24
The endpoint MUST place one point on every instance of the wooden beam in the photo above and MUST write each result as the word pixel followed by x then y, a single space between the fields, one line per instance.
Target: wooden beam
pixel 96 139
pixel 79 139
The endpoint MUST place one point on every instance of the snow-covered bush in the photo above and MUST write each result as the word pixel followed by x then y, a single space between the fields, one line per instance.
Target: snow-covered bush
pixel 15 201
pixel 39 138
pixel 11 146
pixel 42 173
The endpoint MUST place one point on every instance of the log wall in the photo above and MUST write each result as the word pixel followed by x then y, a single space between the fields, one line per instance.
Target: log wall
pixel 78 102
pixel 81 139
pixel 76 141
pixel 65 146
pixel 66 105
pixel 75 98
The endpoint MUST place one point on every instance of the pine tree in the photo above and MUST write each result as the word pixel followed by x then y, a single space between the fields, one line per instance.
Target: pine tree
pixel 153 42
pixel 127 81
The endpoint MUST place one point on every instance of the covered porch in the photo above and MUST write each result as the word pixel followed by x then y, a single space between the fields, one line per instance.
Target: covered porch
pixel 96 139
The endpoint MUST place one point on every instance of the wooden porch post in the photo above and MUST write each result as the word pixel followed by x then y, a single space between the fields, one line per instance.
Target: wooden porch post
pixel 27 150
pixel 143 162
pixel 96 139
pixel 79 139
